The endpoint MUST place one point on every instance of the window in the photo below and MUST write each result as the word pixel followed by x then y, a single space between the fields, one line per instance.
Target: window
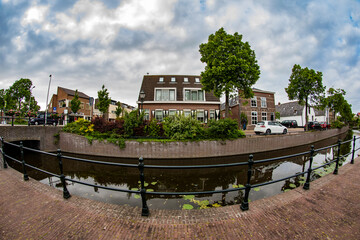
pixel 187 113
pixel 186 79
pixel 173 79
pixel 194 95
pixel 172 112
pixel 146 114
pixel 200 115
pixel 197 80
pixel 253 102
pixel 62 103
pixel 161 79
pixel 263 102
pixel 253 118
pixel 212 114
pixel 263 116
pixel 159 115
pixel 165 95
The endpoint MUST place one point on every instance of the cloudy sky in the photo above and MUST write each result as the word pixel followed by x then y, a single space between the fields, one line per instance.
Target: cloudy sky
pixel 87 43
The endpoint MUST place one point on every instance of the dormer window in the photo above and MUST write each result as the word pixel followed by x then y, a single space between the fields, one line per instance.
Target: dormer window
pixel 173 79
pixel 194 95
pixel 186 79
pixel 197 80
pixel 161 79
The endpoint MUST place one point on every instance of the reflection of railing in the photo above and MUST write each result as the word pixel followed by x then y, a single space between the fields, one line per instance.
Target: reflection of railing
pixel 145 210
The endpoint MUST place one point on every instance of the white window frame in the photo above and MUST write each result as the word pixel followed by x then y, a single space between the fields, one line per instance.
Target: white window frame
pixel 253 102
pixel 187 112
pixel 186 79
pixel 162 94
pixel 162 114
pixel 200 112
pixel 197 80
pixel 254 117
pixel 211 114
pixel 146 114
pixel 172 112
pixel 263 116
pixel 198 90
pixel 263 102
pixel 173 79
pixel 161 79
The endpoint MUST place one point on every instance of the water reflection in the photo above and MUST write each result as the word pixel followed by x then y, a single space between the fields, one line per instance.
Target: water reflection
pixel 180 180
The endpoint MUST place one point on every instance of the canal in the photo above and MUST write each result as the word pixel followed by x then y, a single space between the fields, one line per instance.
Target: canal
pixel 180 180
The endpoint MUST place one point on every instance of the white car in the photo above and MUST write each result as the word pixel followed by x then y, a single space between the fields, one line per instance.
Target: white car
pixel 269 127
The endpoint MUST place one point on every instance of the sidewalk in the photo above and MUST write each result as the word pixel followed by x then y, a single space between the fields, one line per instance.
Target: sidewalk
pixel 329 210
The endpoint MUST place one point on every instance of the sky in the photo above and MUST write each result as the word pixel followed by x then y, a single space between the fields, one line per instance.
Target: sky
pixel 84 44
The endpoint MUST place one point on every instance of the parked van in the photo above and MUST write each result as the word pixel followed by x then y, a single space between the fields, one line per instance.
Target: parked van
pixel 40 120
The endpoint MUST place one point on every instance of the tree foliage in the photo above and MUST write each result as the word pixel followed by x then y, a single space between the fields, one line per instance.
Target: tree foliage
pixel 118 110
pixel 75 103
pixel 230 66
pixel 104 100
pixel 305 85
pixel 337 102
pixel 20 91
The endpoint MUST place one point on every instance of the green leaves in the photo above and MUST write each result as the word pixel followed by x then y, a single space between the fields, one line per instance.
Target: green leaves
pixel 230 64
pixel 104 100
pixel 75 103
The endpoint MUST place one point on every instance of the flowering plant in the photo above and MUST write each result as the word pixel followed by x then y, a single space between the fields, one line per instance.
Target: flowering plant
pixel 30 114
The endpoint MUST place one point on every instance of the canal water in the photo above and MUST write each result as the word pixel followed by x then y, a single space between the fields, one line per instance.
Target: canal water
pixel 192 180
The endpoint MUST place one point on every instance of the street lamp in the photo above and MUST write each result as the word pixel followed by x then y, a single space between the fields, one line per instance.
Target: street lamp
pixel 142 96
pixel 46 105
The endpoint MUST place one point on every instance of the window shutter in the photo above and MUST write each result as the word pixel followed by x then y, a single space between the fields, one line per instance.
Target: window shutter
pixel 206 116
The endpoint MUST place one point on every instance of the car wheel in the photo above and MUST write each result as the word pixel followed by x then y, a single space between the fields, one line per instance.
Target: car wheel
pixel 268 131
pixel 36 123
pixel 257 133
pixel 285 131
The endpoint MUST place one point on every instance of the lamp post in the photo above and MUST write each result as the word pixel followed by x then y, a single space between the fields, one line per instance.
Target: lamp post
pixel 46 105
pixel 142 96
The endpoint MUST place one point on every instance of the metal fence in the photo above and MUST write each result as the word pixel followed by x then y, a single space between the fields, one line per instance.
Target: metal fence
pixel 141 166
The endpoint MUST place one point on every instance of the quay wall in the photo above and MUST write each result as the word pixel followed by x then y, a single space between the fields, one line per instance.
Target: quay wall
pixel 196 149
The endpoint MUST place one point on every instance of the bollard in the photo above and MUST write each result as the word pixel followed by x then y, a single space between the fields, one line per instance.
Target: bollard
pixel 307 183
pixel 353 151
pixel 337 159
pixel 145 209
pixel 26 177
pixel 245 203
pixel 66 193
pixel 3 153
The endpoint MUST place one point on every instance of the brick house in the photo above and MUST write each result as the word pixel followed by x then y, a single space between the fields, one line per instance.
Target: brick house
pixel 167 95
pixel 111 115
pixel 260 107
pixel 60 103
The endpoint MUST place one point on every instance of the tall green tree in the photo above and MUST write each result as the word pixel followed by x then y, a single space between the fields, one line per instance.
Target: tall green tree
pixel 20 91
pixel 305 85
pixel 104 100
pixel 231 66
pixel 337 102
pixel 75 103
pixel 118 110
pixel 30 105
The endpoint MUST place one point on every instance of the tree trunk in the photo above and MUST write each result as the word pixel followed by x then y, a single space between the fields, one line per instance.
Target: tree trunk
pixel 227 108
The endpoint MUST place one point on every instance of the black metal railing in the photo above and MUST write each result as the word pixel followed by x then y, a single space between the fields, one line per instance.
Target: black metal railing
pixel 141 166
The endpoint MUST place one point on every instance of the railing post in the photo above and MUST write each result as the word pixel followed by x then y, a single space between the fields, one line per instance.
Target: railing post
pixel 12 120
pixel 307 183
pixel 245 203
pixel 29 121
pixel 353 151
pixel 145 209
pixel 26 177
pixel 338 158
pixel 66 193
pixel 3 153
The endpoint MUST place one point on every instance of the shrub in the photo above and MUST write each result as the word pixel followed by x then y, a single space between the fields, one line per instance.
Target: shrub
pixel 81 127
pixel 133 123
pixel 224 129
pixel 154 129
pixel 337 124
pixel 103 126
pixel 179 127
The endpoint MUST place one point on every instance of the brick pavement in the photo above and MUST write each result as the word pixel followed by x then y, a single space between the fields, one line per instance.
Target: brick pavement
pixel 329 210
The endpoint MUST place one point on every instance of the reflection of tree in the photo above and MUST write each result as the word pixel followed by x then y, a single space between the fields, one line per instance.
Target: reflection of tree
pixel 178 180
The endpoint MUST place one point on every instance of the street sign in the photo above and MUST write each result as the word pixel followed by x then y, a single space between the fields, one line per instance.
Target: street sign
pixel 54 109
